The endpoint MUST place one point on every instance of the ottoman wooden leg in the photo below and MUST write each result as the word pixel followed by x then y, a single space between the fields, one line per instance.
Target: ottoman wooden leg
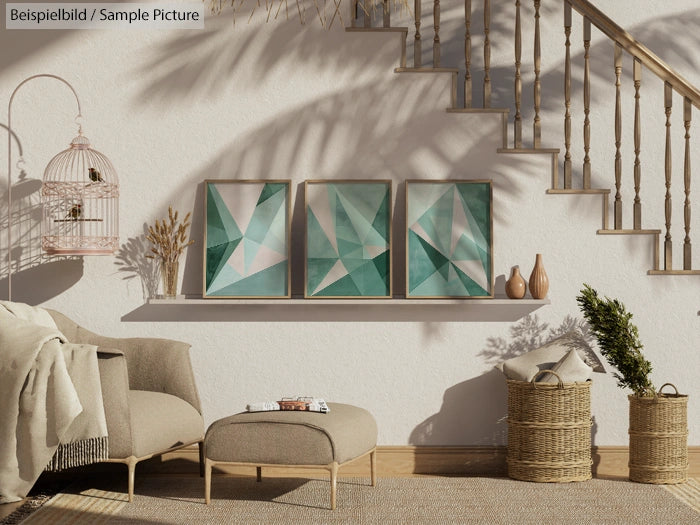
pixel 373 466
pixel 207 480
pixel 334 478
pixel 258 473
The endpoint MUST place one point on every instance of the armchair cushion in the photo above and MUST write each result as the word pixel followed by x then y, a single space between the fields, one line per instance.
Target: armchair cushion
pixel 162 421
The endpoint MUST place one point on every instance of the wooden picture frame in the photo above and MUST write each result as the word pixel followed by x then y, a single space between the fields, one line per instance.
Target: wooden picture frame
pixel 347 252
pixel 247 227
pixel 449 239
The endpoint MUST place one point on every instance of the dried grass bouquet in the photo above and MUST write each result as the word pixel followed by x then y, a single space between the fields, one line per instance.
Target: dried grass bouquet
pixel 169 238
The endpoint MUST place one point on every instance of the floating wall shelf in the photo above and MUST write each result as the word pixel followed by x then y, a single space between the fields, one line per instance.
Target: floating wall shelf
pixel 196 309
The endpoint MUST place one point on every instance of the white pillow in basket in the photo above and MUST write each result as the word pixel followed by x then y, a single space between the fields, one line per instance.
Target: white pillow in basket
pixel 570 368
pixel 520 369
pixel 523 367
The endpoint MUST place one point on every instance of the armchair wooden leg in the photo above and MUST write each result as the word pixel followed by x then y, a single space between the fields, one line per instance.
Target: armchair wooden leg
pixel 207 481
pixel 334 479
pixel 201 459
pixel 373 466
pixel 131 465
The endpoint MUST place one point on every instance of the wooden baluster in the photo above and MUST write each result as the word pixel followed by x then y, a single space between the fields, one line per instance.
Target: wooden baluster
pixel 586 103
pixel 537 125
pixel 618 138
pixel 518 122
pixel 436 38
pixel 687 248
pixel 467 53
pixel 417 59
pixel 487 54
pixel 353 13
pixel 668 245
pixel 567 96
pixel 387 13
pixel 637 74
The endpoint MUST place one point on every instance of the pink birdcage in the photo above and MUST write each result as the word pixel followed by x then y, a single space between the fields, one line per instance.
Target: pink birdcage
pixel 80 194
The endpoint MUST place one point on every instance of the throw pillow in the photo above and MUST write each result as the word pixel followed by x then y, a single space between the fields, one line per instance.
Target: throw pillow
pixel 570 368
pixel 523 367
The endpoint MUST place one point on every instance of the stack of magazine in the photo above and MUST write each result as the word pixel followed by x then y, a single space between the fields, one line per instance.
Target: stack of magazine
pixel 308 404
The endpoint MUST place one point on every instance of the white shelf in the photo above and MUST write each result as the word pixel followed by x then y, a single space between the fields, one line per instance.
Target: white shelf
pixel 485 302
pixel 196 309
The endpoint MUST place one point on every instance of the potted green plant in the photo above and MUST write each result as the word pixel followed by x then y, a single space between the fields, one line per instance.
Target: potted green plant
pixel 658 424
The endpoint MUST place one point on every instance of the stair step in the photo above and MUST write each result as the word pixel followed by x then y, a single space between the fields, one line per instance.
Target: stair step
pixel 572 191
pixel 376 29
pixel 629 232
pixel 426 70
pixel 529 150
pixel 478 110
pixel 673 272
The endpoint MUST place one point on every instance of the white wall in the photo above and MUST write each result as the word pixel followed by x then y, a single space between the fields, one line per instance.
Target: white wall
pixel 288 101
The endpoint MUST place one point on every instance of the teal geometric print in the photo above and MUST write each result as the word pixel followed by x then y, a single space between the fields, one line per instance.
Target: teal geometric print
pixel 449 245
pixel 247 245
pixel 348 239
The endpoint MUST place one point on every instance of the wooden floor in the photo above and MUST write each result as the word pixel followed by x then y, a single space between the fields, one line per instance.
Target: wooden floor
pixel 398 461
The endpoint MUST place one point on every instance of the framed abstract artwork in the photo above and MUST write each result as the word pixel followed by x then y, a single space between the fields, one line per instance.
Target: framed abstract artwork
pixel 246 239
pixel 449 239
pixel 348 239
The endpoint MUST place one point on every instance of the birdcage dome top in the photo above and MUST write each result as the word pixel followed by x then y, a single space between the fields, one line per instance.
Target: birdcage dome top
pixel 80 142
pixel 83 164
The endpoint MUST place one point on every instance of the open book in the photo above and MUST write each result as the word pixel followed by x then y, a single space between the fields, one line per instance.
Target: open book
pixel 309 404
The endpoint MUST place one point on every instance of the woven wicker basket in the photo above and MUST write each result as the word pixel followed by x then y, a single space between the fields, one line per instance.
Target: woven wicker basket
pixel 549 431
pixel 659 438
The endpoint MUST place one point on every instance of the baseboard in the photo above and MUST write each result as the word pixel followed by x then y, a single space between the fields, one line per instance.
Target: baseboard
pixel 408 460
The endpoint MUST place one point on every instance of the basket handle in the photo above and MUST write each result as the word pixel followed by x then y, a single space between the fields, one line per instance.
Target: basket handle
pixel 560 384
pixel 668 384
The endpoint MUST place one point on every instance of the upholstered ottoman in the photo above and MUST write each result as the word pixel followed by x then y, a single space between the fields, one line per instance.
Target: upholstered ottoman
pixel 292 439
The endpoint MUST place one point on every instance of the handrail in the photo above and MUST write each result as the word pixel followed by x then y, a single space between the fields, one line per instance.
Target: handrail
pixel 648 58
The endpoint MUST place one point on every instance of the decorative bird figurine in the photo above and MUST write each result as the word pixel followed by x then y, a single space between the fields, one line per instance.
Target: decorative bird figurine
pixel 95 176
pixel 75 212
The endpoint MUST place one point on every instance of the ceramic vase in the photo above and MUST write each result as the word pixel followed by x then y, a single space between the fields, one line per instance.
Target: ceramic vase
pixel 515 286
pixel 539 282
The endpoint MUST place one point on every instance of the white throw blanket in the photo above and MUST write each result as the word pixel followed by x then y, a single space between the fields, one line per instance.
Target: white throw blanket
pixel 50 395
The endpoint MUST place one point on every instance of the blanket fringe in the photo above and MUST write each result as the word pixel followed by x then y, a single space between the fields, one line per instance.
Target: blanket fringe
pixel 78 453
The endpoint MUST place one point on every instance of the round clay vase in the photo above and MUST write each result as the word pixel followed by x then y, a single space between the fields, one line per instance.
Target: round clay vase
pixel 539 282
pixel 515 286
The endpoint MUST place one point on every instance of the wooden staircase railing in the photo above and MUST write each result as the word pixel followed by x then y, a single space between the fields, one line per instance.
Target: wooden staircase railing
pixel 643 59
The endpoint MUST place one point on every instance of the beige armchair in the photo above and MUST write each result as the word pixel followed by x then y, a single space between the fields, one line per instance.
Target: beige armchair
pixel 150 397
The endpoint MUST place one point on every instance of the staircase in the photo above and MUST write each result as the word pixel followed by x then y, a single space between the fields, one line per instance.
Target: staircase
pixel 368 20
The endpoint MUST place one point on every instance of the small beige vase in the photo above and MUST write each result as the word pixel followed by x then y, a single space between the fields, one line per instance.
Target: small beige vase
pixel 539 282
pixel 515 286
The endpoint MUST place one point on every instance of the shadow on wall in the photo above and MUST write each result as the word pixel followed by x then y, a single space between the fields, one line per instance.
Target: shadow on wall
pixel 29 264
pixel 132 264
pixel 474 412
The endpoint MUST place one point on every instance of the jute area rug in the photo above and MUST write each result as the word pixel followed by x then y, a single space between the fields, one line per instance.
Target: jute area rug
pixel 428 500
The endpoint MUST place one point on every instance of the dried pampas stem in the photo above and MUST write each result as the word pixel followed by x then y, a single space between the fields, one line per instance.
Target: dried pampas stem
pixel 169 239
